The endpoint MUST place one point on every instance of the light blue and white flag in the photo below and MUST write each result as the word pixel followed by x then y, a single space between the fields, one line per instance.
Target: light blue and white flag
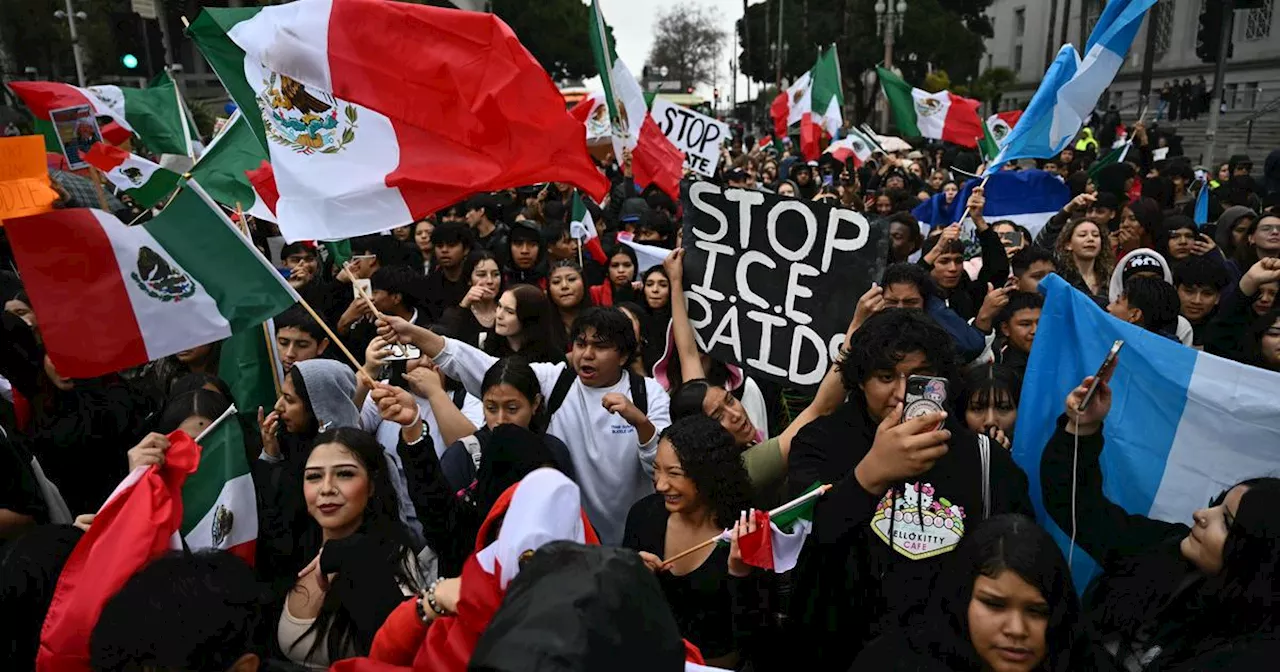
pixel 1202 204
pixel 1184 425
pixel 1072 85
pixel 1026 197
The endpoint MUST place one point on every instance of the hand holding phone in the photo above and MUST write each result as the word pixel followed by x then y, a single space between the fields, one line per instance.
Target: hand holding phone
pixel 925 395
pixel 1102 377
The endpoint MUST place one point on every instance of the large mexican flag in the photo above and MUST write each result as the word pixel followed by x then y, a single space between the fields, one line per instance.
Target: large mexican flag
pixel 186 278
pixel 938 116
pixel 375 114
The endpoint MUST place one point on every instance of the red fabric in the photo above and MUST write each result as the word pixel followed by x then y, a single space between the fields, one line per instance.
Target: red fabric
pixel 56 161
pixel 963 126
pixel 68 296
pixel 400 636
pixel 780 110
pixel 810 135
pixel 115 133
pixel 41 97
pixel 602 294
pixel 105 157
pixel 1011 117
pixel 133 528
pixel 263 179
pixel 757 547
pixel 21 411
pixel 475 112
pixel 692 654
pixel 594 249
pixel 656 161
pixel 765 142
pixel 582 111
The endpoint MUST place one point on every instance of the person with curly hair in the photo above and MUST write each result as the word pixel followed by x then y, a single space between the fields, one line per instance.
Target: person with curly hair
pixel 1085 257
pixel 702 488
pixel 906 490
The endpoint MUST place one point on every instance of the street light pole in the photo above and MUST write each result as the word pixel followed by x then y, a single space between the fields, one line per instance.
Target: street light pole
pixel 1219 80
pixel 71 15
pixel 889 15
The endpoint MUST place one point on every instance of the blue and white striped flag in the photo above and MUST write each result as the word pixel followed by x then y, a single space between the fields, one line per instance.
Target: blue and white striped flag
pixel 1184 425
pixel 1072 85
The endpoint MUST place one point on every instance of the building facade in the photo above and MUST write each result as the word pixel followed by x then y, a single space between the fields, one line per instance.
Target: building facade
pixel 1028 34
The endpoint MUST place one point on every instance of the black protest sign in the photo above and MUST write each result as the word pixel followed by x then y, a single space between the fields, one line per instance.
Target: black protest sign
pixel 772 281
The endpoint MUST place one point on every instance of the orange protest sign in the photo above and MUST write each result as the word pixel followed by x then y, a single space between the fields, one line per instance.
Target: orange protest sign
pixel 24 177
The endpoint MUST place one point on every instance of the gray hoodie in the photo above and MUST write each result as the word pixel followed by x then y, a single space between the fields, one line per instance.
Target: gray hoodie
pixel 330 386
pixel 1226 222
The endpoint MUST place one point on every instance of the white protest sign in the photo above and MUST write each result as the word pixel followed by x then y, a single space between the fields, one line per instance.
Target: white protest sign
pixel 696 134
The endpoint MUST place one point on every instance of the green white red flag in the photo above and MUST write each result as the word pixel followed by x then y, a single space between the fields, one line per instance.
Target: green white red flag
pixel 376 114
pixel 581 224
pixel 996 129
pixel 654 159
pixel 219 507
pixel 146 182
pixel 222 168
pixel 815 101
pixel 937 116
pixel 780 534
pixel 155 114
pixel 186 278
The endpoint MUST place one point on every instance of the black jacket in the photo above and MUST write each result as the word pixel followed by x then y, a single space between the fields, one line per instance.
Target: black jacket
pixel 849 584
pixel 966 298
pixel 1148 595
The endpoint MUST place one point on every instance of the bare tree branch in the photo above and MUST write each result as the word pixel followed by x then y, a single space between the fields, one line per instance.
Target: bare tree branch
pixel 688 42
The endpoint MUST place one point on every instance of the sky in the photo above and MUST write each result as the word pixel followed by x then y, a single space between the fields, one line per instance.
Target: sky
pixel 633 22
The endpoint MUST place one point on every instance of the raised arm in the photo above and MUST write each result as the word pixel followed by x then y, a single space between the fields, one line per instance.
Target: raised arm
pixel 681 329
pixel 458 360
pixel 427 383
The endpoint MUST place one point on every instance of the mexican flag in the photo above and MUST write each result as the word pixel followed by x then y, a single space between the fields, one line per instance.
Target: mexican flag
pixel 134 527
pixel 781 533
pixel 145 182
pixel 814 101
pixel 157 114
pixel 43 98
pixel 938 116
pixel 219 508
pixel 375 114
pixel 250 370
pixel 996 129
pixel 186 278
pixel 856 146
pixel 581 225
pixel 654 160
pixel 222 167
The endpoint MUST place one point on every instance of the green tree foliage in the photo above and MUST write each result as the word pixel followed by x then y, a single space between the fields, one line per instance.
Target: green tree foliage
pixel 940 32
pixel 936 81
pixel 555 32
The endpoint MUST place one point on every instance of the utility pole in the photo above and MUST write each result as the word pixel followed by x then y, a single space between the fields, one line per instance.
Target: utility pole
pixel 1049 50
pixel 1219 79
pixel 1149 57
pixel 781 4
pixel 76 52
pixel 1066 21
pixel 746 48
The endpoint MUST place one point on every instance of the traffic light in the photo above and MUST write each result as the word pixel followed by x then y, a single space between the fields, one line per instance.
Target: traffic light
pixel 137 45
pixel 1209 33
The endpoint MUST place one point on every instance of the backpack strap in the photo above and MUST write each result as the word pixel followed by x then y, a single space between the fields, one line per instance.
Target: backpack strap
pixel 559 392
pixel 472 444
pixel 639 393
pixel 459 397
pixel 984 454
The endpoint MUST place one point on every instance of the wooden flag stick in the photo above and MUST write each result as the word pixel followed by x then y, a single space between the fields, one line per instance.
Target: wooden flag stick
pixel 97 187
pixel 266 326
pixel 333 338
pixel 816 492
pixel 360 290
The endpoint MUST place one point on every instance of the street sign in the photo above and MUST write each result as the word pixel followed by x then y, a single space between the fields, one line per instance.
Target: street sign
pixel 144 8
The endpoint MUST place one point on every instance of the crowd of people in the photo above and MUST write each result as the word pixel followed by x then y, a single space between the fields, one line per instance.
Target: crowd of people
pixel 519 386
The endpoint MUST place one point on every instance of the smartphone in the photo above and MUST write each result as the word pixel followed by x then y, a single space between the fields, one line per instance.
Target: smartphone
pixel 1011 239
pixel 925 394
pixel 398 352
pixel 1104 373
pixel 358 284
pixel 827 179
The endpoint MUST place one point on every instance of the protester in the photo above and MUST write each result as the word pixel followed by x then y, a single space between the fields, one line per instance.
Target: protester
pixel 608 417
pixel 298 337
pixel 869 560
pixel 1170 596
pixel 1083 257
pixel 1030 265
pixel 618 286
pixel 473 319
pixel 701 489
pixel 989 396
pixel 526 257
pixel 422 232
pixel 1006 603
pixel 1200 281
pixel 568 292
pixel 526 323
pixel 448 282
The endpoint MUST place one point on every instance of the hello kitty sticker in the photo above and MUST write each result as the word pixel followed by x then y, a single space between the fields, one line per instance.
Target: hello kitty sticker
pixel 922 525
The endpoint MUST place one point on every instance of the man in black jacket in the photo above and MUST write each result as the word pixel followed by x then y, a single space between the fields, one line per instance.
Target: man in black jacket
pixel 944 258
pixel 904 493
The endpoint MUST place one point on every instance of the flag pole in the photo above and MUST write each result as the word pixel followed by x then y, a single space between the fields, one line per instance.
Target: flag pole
pixel 346 266
pixel 333 338
pixel 266 328
pixel 231 410
pixel 97 187
pixel 182 113
pixel 182 181
pixel 812 494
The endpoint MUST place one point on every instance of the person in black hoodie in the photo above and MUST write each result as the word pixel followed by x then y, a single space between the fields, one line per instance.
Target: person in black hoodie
pixel 526 257
pixel 1170 597
pixel 910 482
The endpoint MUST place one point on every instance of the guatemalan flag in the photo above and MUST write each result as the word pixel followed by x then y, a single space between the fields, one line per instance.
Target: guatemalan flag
pixel 1025 197
pixel 1072 85
pixel 1184 425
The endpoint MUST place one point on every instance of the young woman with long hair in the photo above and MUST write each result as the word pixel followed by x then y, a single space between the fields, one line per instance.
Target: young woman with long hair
pixel 567 290
pixel 526 324
pixel 617 287
pixel 1085 257
pixel 472 320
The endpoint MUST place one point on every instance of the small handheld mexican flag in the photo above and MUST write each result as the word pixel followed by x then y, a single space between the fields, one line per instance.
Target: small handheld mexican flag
pixel 147 183
pixel 581 225
pixel 781 533
pixel 219 508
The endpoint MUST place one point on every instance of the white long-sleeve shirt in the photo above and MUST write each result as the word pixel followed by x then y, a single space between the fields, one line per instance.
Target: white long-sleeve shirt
pixel 614 468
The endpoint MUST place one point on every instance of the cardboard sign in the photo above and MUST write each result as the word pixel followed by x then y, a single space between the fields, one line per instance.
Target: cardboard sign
pixel 773 282
pixel 77 131
pixel 24 177
pixel 697 135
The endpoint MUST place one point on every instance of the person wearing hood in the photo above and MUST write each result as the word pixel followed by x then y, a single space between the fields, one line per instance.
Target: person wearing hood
pixel 870 558
pixel 438 629
pixel 1232 234
pixel 1171 596
pixel 526 257
pixel 1146 262
pixel 802 174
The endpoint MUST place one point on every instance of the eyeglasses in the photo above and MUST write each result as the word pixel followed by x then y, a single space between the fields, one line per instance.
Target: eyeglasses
pixel 363 257
pixel 1269 228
